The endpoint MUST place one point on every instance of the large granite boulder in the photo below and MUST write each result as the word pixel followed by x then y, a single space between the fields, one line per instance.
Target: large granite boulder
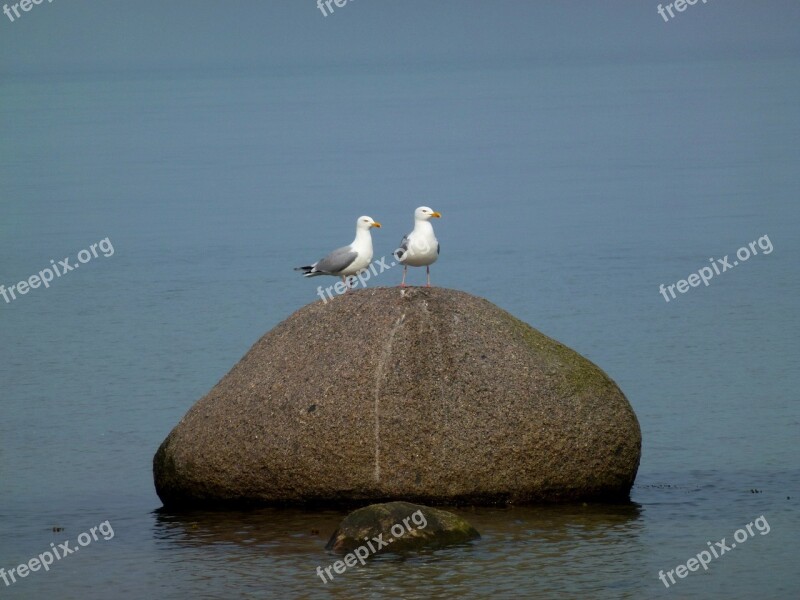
pixel 426 394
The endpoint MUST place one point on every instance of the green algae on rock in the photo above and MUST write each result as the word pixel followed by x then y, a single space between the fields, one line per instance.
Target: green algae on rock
pixel 400 527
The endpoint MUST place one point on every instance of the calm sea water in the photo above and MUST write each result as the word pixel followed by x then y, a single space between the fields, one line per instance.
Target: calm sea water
pixel 568 195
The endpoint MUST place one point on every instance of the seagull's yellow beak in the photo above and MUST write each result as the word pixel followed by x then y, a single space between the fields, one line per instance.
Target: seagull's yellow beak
pixel 435 214
pixel 376 224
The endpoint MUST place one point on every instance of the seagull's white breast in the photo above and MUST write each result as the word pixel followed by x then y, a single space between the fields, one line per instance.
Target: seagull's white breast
pixel 363 246
pixel 423 247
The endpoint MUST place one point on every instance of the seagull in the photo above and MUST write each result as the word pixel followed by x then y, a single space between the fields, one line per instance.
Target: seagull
pixel 420 247
pixel 347 260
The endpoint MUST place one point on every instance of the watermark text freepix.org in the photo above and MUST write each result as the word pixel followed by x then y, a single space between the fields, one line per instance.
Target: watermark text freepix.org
pixel 321 4
pixel 361 553
pixel 717 549
pixel 679 5
pixel 48 274
pixel 720 265
pixel 376 267
pixel 362 276
pixel 25 5
pixel 56 552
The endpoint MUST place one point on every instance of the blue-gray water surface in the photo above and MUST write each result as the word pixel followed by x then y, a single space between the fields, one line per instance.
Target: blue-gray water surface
pixel 569 193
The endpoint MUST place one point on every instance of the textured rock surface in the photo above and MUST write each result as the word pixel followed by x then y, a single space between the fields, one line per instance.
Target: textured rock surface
pixel 402 526
pixel 430 395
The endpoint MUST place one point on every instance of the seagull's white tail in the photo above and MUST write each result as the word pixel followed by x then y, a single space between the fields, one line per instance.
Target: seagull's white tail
pixel 308 271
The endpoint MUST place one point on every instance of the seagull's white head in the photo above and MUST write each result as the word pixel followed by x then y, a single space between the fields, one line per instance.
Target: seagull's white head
pixel 366 223
pixel 423 213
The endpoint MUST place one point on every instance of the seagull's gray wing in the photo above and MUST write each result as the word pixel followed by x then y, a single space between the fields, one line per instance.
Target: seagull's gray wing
pixel 402 249
pixel 337 261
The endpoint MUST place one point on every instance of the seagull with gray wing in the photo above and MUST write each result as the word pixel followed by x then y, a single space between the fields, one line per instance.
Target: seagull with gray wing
pixel 419 248
pixel 347 260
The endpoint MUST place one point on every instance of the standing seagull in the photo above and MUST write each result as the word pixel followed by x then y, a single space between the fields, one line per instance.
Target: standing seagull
pixel 420 247
pixel 347 260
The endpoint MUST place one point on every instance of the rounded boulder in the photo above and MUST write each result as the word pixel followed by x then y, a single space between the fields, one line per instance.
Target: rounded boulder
pixel 426 394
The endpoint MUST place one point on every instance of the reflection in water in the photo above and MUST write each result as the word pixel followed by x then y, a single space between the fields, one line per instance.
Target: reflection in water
pixel 278 530
pixel 518 545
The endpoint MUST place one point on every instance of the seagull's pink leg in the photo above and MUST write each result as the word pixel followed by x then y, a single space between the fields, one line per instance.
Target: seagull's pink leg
pixel 403 283
pixel 428 270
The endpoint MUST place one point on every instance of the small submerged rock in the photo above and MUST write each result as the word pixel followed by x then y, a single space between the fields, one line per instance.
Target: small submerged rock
pixel 400 527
